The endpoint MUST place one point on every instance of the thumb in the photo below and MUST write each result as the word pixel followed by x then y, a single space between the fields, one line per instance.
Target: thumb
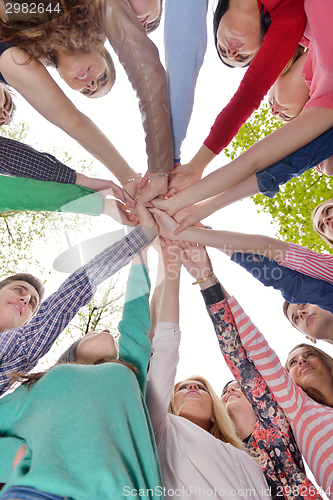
pixel 186 223
pixel 144 180
pixel 175 170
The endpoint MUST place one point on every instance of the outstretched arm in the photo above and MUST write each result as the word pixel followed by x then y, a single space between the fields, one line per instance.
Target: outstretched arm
pixel 273 148
pixel 35 84
pixel 140 59
pixel 227 241
pixel 163 364
pixel 184 55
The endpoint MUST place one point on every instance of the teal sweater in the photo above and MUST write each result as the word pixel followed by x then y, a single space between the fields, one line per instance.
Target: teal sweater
pixel 87 429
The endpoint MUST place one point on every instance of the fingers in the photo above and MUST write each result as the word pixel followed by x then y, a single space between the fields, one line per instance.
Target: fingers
pixel 176 170
pixel 144 181
pixel 186 223
pixel 171 192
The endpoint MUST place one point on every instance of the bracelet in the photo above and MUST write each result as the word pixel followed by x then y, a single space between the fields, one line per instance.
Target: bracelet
pixel 131 179
pixel 204 279
pixel 158 176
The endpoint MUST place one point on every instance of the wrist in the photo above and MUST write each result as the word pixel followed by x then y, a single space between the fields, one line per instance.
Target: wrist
pixel 131 179
pixel 202 158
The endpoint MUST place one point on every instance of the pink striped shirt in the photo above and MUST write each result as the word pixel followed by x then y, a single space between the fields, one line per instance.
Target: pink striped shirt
pixel 312 423
pixel 316 265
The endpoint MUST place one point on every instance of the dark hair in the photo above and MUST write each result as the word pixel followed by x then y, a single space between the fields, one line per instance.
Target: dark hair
pixel 328 362
pixel 221 9
pixel 226 386
pixel 285 306
pixel 32 280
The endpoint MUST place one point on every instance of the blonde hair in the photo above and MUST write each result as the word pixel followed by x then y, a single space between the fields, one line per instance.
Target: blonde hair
pixel 297 54
pixel 223 427
pixel 323 237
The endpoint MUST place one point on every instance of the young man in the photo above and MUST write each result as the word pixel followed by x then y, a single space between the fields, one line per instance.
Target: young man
pixel 24 342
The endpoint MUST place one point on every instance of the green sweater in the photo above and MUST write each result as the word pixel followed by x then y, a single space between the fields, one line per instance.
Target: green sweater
pixel 87 429
pixel 19 193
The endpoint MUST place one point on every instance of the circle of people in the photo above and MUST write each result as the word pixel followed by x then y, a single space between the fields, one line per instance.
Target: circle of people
pixel 107 421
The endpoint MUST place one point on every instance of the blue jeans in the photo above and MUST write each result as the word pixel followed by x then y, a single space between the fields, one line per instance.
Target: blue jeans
pixel 27 493
pixel 295 164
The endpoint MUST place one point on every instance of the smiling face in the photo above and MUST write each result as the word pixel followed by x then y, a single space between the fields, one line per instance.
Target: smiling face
pixel 234 399
pixel 6 104
pixel 146 10
pixel 96 346
pixel 323 219
pixel 289 94
pixel 314 322
pixel 87 72
pixel 18 302
pixel 307 369
pixel 238 37
pixel 194 403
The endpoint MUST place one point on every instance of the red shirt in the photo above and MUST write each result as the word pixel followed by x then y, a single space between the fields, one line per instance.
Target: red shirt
pixel 287 25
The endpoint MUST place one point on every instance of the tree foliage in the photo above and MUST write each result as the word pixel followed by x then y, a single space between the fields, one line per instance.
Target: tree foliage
pixel 26 236
pixel 21 233
pixel 291 208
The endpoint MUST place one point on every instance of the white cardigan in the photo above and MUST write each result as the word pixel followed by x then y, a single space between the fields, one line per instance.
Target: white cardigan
pixel 193 463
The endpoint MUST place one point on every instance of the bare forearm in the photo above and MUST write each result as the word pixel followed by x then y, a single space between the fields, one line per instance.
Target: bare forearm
pixel 244 189
pixel 273 148
pixel 169 308
pixel 202 158
pixel 231 242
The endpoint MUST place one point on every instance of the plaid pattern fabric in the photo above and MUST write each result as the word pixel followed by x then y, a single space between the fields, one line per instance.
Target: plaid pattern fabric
pixel 21 349
pixel 20 160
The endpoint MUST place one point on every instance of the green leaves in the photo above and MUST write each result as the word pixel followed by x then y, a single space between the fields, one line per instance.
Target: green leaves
pixel 292 207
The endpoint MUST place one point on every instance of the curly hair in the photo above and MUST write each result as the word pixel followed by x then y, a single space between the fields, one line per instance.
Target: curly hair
pixel 44 40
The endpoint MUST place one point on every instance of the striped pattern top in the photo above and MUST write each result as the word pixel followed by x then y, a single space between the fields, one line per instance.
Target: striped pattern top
pixel 312 423
pixel 316 265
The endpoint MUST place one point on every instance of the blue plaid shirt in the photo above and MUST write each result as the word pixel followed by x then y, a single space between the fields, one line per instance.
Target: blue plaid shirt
pixel 19 160
pixel 22 348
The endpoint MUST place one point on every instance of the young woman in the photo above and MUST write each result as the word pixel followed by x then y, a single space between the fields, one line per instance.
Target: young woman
pixel 289 94
pixel 259 420
pixel 239 40
pixel 95 404
pixel 193 436
pixel 74 43
pixel 241 340
pixel 239 175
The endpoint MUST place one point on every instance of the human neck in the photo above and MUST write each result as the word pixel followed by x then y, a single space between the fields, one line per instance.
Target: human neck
pixel 244 6
pixel 244 422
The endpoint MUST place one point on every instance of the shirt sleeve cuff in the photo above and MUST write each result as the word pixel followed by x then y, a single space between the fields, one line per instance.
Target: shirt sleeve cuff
pixel 213 294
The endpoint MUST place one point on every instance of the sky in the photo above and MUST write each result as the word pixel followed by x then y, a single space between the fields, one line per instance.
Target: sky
pixel 118 116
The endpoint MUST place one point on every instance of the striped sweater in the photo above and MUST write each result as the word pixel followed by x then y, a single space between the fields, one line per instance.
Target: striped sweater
pixel 312 423
pixel 316 265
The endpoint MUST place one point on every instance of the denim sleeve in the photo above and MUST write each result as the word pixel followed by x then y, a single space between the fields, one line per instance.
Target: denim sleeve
pixel 184 54
pixel 295 164
pixel 295 287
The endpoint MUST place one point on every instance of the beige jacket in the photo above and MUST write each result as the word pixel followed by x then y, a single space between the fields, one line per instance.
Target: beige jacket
pixel 140 59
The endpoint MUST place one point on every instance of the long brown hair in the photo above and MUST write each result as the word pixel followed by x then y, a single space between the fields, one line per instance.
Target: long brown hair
pixel 328 362
pixel 222 428
pixel 75 31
